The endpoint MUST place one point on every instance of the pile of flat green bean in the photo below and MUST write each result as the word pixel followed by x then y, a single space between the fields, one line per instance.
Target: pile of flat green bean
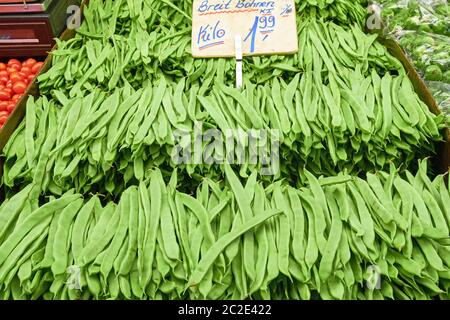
pixel 106 143
pixel 343 112
pixel 140 53
pixel 342 11
pixel 335 102
pixel 96 209
pixel 233 241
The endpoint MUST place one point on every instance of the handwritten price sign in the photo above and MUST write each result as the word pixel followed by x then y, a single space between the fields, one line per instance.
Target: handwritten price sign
pixel 266 27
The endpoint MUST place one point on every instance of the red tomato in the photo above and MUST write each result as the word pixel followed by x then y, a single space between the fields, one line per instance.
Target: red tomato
pixel 3 113
pixel 31 78
pixel 4 105
pixel 23 75
pixel 12 69
pixel 10 108
pixel 2 86
pixel 4 95
pixel 9 85
pixel 3 119
pixel 35 69
pixel 19 87
pixel 15 76
pixel 2 66
pixel 26 70
pixel 4 80
pixel 16 97
pixel 4 73
pixel 13 61
pixel 30 62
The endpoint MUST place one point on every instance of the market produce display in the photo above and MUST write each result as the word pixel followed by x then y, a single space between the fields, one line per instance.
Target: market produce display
pixel 96 208
pixel 234 241
pixel 315 131
pixel 430 54
pixel 441 91
pixel 423 30
pixel 431 16
pixel 15 76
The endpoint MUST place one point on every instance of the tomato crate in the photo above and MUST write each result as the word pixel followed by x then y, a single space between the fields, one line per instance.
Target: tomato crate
pixel 28 28
pixel 32 91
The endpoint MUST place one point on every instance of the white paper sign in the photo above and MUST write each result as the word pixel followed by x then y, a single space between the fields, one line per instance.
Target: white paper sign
pixel 266 27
